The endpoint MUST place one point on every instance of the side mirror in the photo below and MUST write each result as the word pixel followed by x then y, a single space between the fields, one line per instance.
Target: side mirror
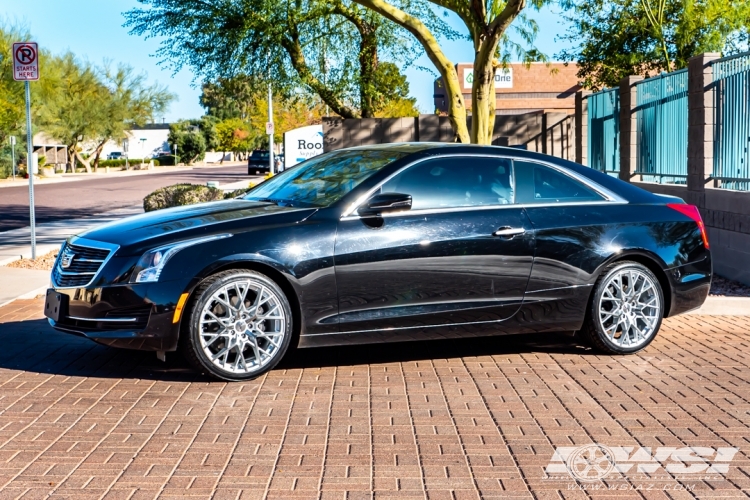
pixel 385 203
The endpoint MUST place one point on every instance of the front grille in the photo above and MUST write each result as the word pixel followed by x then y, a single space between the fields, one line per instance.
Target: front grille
pixel 83 263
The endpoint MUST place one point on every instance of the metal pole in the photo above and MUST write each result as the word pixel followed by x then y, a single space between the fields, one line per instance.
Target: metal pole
pixel 29 169
pixel 13 155
pixel 270 136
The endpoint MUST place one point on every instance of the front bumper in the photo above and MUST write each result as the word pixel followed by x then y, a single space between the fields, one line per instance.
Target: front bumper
pixel 133 316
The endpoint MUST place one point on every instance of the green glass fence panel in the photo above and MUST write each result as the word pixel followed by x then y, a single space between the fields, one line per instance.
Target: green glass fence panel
pixel 732 122
pixel 662 128
pixel 604 131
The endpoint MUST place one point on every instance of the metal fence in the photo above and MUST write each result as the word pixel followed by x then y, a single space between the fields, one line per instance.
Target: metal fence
pixel 731 76
pixel 662 128
pixel 604 131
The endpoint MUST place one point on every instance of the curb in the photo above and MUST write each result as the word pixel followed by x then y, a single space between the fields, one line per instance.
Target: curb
pixel 40 250
pixel 723 306
pixel 28 295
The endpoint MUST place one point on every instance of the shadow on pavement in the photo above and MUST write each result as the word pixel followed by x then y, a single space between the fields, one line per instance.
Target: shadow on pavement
pixel 33 346
pixel 398 352
pixel 17 216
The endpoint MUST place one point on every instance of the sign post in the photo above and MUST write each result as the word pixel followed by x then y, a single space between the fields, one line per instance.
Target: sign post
pixel 269 130
pixel 13 155
pixel 26 69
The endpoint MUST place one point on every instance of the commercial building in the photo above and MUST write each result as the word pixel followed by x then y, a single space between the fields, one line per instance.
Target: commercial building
pixel 519 89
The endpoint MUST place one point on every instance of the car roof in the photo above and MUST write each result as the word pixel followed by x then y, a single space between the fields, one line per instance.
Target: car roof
pixel 628 191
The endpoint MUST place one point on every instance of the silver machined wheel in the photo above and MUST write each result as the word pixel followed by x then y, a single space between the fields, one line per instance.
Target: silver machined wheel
pixel 630 308
pixel 242 326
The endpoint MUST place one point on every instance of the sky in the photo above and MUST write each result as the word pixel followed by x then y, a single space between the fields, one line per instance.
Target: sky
pixel 92 29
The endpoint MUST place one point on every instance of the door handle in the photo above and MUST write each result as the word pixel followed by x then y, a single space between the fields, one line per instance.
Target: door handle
pixel 508 231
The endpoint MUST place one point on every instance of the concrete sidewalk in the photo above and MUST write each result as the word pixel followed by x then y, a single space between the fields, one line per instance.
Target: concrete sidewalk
pixel 16 244
pixel 21 284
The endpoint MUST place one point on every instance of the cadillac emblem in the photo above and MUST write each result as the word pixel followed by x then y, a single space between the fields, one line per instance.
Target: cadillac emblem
pixel 67 259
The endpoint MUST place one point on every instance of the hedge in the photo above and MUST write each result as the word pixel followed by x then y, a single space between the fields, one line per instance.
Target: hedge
pixel 121 162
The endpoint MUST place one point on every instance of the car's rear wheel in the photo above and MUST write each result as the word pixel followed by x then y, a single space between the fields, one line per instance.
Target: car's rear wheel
pixel 626 309
pixel 240 325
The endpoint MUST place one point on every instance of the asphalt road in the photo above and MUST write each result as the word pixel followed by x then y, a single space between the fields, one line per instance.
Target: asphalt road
pixel 71 200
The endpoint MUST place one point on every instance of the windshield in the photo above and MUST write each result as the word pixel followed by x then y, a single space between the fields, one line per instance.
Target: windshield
pixel 323 180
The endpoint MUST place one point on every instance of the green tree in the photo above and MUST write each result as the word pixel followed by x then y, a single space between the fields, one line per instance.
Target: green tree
pixel 191 143
pixel 233 135
pixel 616 38
pixel 392 93
pixel 129 102
pixel 487 23
pixel 328 48
pixel 11 92
pixel 73 106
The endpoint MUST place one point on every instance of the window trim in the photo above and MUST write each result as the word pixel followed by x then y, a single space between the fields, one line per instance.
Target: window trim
pixel 609 196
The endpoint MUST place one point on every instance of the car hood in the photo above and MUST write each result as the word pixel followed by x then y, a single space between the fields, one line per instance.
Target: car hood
pixel 135 233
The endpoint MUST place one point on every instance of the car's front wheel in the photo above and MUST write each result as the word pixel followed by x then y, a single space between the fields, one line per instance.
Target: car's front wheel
pixel 240 325
pixel 626 309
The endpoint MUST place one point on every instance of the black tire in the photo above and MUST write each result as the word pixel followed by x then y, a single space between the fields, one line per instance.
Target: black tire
pixel 596 323
pixel 195 351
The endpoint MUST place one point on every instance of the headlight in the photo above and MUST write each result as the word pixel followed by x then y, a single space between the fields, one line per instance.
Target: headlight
pixel 150 265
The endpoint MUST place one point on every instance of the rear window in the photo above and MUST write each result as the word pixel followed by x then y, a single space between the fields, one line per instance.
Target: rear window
pixel 539 184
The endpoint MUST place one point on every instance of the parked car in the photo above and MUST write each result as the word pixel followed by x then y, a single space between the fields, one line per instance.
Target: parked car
pixel 388 243
pixel 115 155
pixel 257 162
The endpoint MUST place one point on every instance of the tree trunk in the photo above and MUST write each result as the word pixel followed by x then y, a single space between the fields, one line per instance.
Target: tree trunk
pixel 368 64
pixel 483 95
pixel 293 47
pixel 83 161
pixel 454 96
pixel 97 154
pixel 368 55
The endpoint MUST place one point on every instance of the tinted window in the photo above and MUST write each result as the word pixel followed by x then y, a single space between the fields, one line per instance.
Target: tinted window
pixel 539 184
pixel 455 182
pixel 323 180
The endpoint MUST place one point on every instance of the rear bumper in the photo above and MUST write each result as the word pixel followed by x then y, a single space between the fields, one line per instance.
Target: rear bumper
pixel 252 168
pixel 134 316
pixel 690 285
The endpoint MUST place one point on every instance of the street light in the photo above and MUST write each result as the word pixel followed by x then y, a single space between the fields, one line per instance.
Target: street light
pixel 143 149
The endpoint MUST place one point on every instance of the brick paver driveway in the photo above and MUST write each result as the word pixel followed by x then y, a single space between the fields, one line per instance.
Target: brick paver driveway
pixel 448 419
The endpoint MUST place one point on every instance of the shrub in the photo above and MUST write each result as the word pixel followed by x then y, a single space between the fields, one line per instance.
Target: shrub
pixel 180 194
pixel 165 160
pixel 121 162
pixel 236 193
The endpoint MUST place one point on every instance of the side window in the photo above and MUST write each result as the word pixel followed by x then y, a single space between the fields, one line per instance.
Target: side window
pixel 539 184
pixel 456 182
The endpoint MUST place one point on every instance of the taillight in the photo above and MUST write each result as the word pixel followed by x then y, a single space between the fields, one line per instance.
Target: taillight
pixel 692 212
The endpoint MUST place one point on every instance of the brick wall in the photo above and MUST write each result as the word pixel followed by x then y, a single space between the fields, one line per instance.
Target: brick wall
pixel 553 133
pixel 536 87
pixel 727 218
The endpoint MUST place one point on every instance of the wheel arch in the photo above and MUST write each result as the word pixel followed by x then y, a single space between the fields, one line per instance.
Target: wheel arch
pixel 265 268
pixel 649 260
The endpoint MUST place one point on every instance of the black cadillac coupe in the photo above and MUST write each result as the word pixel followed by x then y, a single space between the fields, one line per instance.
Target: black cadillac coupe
pixel 388 243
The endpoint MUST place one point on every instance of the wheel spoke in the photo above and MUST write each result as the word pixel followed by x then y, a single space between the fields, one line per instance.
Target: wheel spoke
pixel 225 331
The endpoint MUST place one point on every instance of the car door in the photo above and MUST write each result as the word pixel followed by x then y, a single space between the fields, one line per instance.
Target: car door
pixel 462 254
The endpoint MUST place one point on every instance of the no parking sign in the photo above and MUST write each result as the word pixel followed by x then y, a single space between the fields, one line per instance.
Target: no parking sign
pixel 25 61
